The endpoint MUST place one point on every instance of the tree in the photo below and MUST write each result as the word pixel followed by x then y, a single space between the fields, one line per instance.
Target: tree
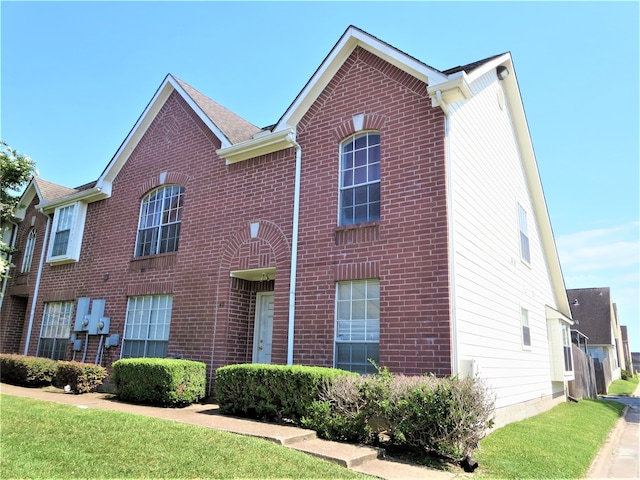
pixel 16 169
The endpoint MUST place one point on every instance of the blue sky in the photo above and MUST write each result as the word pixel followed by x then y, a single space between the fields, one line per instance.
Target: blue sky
pixel 76 76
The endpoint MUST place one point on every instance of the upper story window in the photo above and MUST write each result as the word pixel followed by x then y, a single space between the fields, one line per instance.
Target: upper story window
pixel 28 251
pixel 160 218
pixel 525 252
pixel 68 228
pixel 360 179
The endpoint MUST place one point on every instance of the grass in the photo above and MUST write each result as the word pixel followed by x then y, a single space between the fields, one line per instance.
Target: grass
pixel 623 387
pixel 560 443
pixel 48 440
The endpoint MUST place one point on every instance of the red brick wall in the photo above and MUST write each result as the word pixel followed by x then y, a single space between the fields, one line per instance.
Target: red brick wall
pixel 406 249
pixel 213 315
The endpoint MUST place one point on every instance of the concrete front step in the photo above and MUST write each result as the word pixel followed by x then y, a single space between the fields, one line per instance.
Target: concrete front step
pixel 343 454
pixel 390 469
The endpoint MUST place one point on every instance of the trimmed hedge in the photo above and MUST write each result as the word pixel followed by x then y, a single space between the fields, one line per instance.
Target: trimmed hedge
pixel 161 381
pixel 81 377
pixel 27 371
pixel 271 392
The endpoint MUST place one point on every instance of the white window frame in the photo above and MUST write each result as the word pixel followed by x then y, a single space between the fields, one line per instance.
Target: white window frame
pixel 525 328
pixel 566 347
pixel 157 217
pixel 55 330
pixel 523 228
pixel 30 246
pixel 357 323
pixel 147 323
pixel 364 177
pixel 74 224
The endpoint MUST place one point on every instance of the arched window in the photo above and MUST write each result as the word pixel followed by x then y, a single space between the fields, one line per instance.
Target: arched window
pixel 28 251
pixel 360 179
pixel 160 218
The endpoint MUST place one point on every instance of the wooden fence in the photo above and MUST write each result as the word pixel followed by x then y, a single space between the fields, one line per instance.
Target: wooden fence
pixel 585 383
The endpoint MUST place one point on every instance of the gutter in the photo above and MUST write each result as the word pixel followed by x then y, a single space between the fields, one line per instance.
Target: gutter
pixel 43 255
pixel 294 247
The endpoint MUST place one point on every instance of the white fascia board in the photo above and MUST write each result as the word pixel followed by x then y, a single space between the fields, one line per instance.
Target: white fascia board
pixel 87 196
pixel 26 198
pixel 144 121
pixel 519 119
pixel 347 44
pixel 455 89
pixel 552 313
pixel 262 145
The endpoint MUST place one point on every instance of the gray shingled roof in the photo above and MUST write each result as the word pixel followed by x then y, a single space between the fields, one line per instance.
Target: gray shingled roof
pixel 234 127
pixel 52 191
pixel 591 310
pixel 470 67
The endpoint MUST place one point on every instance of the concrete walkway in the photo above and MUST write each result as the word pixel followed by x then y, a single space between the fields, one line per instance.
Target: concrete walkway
pixel 359 458
pixel 620 455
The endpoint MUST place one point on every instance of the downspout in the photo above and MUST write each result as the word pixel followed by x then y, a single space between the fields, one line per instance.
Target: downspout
pixel 455 368
pixel 294 249
pixel 12 243
pixel 43 255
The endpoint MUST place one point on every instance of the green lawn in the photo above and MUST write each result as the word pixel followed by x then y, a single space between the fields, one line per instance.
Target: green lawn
pixel 560 443
pixel 48 440
pixel 623 387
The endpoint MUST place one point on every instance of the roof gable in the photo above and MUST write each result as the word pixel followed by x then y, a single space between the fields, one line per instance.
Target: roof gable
pixel 592 311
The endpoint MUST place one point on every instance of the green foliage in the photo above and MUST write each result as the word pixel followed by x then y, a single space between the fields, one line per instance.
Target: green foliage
pixel 270 392
pixel 625 375
pixel 161 381
pixel 81 377
pixel 442 416
pixel 15 170
pixel 54 441
pixel 27 371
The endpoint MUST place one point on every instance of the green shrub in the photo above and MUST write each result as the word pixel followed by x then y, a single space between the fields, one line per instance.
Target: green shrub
pixel 270 392
pixel 27 371
pixel 339 413
pixel 442 416
pixel 81 377
pixel 162 381
pixel 625 375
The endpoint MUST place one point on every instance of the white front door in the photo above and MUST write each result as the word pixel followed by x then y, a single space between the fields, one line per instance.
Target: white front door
pixel 263 329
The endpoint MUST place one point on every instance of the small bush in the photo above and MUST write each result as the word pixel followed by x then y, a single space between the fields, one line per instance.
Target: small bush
pixel 443 416
pixel 27 371
pixel 270 392
pixel 625 375
pixel 81 377
pixel 162 381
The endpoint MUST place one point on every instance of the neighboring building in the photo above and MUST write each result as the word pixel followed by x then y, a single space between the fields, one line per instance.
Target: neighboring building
pixel 394 212
pixel 626 350
pixel 635 358
pixel 596 316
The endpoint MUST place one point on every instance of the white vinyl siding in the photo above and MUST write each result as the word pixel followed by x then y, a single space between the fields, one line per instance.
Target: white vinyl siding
pixel 56 329
pixel 492 283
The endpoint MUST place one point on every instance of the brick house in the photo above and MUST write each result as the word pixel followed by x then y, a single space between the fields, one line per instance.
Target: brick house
pixel 394 212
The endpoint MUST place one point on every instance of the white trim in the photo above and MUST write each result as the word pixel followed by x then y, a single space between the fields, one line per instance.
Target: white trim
pixel 257 146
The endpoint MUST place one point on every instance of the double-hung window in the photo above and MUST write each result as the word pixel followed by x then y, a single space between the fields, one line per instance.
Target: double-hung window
pixel 146 328
pixel 56 329
pixel 525 252
pixel 160 219
pixel 68 228
pixel 357 325
pixel 28 251
pixel 360 179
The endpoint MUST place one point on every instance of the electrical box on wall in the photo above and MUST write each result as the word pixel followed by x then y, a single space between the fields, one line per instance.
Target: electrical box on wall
pixel 77 345
pixel 112 341
pixel 97 313
pixel 100 327
pixel 82 315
